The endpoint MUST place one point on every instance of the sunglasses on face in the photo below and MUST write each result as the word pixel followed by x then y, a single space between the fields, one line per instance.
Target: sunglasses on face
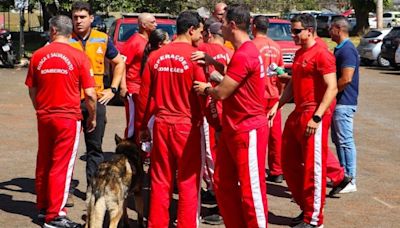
pixel 297 31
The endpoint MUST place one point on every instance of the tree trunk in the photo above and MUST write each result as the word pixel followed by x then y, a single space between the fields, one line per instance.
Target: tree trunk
pixel 362 21
pixel 48 11
pixel 362 9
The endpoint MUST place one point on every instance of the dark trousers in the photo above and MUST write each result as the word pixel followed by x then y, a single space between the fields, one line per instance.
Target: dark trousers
pixel 94 139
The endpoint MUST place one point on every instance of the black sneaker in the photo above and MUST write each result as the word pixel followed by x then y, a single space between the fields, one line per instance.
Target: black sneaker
pixel 41 216
pixel 329 184
pixel 208 197
pixel 214 219
pixel 61 222
pixel 336 189
pixel 297 220
pixel 275 178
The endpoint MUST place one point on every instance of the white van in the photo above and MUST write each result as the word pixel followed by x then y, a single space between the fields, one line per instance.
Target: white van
pixel 391 19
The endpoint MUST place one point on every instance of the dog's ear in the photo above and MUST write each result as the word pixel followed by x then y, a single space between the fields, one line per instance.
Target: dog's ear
pixel 117 139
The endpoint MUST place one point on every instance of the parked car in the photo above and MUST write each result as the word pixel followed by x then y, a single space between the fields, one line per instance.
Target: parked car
pixel 397 56
pixel 351 16
pixel 98 24
pixel 390 44
pixel 123 28
pixel 323 23
pixel 391 19
pixel 109 21
pixel 372 21
pixel 315 13
pixel 370 47
pixel 279 31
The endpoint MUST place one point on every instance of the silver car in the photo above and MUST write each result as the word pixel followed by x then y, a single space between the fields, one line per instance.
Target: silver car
pixel 370 47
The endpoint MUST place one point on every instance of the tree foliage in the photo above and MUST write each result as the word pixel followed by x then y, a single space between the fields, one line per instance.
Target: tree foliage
pixel 362 9
pixel 53 7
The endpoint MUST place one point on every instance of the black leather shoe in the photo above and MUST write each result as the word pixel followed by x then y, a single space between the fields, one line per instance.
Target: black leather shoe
pixel 214 219
pixel 207 197
pixel 275 179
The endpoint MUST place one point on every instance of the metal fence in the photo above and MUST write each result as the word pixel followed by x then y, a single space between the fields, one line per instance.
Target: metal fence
pixel 10 20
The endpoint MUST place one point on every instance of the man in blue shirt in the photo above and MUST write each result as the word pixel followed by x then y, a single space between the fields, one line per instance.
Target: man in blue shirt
pixel 347 64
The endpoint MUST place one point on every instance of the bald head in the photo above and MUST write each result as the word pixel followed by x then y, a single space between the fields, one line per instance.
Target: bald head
pixel 147 23
pixel 219 10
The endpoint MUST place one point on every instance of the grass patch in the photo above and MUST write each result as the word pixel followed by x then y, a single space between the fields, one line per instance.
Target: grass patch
pixel 354 39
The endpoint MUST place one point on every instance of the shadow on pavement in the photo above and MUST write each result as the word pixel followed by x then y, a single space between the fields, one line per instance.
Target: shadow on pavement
pixel 19 207
pixel 379 68
pixel 278 191
pixel 107 156
pixel 278 220
pixel 392 73
pixel 20 184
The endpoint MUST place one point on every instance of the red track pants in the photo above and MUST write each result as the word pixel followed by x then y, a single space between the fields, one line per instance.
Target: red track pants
pixel 304 163
pixel 176 147
pixel 274 140
pixel 58 145
pixel 240 178
pixel 334 171
pixel 209 147
pixel 130 113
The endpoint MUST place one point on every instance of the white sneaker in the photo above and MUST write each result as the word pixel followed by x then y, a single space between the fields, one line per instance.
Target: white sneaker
pixel 349 188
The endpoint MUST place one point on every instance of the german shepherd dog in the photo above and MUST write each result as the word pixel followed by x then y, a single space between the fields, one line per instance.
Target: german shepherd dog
pixel 114 181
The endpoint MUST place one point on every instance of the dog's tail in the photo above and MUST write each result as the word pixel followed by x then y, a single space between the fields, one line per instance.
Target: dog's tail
pixel 99 183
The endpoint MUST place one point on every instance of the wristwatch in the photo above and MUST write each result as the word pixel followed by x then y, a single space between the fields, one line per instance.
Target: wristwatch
pixel 114 90
pixel 316 118
pixel 206 90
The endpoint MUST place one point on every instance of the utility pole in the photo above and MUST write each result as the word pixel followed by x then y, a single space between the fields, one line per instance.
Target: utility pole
pixel 379 14
pixel 21 5
pixel 21 33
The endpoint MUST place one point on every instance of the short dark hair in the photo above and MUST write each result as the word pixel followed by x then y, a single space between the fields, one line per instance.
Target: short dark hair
pixel 156 37
pixel 209 22
pixel 240 14
pixel 261 23
pixel 306 20
pixel 187 19
pixel 79 6
pixel 342 22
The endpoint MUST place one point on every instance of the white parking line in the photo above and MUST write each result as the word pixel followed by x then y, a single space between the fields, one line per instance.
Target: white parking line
pixel 383 202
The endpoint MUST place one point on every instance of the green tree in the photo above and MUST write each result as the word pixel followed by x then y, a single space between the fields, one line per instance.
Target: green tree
pixel 52 7
pixel 6 4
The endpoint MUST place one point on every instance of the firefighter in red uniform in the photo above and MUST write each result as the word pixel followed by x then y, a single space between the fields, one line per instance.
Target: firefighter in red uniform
pixel 240 159
pixel 168 79
pixel 56 74
pixel 305 136
pixel 133 51
pixel 272 55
